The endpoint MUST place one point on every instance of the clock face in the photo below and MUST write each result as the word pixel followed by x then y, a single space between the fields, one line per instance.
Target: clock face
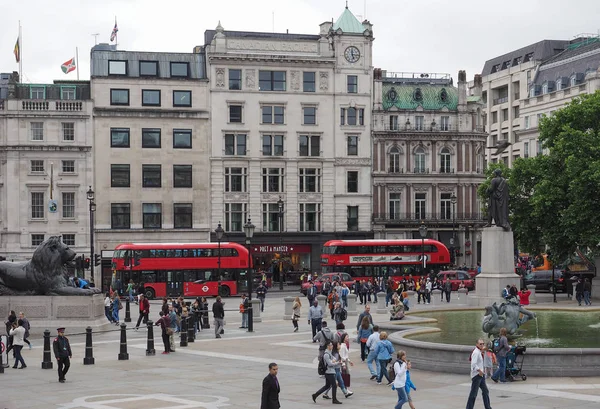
pixel 352 54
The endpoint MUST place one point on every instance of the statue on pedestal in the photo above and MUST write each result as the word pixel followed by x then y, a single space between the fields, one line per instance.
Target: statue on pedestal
pixel 498 201
pixel 506 315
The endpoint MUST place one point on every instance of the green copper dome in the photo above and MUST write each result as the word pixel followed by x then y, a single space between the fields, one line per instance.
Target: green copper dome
pixel 411 96
pixel 348 23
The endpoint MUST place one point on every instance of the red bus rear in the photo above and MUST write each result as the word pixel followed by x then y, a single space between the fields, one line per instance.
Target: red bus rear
pixel 371 259
pixel 183 269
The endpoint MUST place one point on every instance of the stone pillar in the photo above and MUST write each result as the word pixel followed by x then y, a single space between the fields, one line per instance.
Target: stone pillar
pixel 287 311
pixel 532 299
pixel 381 303
pixel 323 303
pixel 352 305
pixel 435 296
pixel 256 309
pixel 461 297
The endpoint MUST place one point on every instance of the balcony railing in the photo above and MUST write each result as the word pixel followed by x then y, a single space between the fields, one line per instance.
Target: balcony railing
pixel 419 128
pixel 499 101
pixel 421 170
pixel 395 170
pixel 416 218
pixel 35 105
pixel 45 105
pixel 446 170
pixel 69 105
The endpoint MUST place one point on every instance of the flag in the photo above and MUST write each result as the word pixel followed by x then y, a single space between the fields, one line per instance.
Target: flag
pixel 68 66
pixel 17 50
pixel 113 35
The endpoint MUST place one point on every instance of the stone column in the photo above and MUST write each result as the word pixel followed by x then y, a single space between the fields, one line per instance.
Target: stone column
pixel 287 312
pixel 532 299
pixel 352 305
pixel 461 296
pixel 323 303
pixel 435 296
pixel 381 303
pixel 256 310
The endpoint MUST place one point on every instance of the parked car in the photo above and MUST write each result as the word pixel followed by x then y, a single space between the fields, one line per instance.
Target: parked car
pixel 455 277
pixel 543 280
pixel 323 277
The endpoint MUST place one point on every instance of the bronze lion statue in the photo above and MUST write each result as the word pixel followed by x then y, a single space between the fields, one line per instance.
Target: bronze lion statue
pixel 45 274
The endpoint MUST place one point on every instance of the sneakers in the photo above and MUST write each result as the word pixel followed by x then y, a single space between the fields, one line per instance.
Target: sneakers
pixel 348 393
pixel 29 346
pixel 495 380
pixel 378 383
pixel 295 329
pixel 389 383
pixel 373 377
pixel 336 402
pixel 165 353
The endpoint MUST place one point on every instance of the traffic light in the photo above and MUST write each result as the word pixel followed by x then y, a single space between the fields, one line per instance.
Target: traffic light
pixel 97 260
pixel 86 263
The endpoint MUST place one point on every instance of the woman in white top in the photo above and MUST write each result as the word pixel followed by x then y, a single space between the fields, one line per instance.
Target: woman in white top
pixel 400 379
pixel 18 333
pixel 345 355
pixel 107 304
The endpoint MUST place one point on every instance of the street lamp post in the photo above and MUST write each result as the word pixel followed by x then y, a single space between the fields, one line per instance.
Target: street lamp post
pixel 280 207
pixel 249 230
pixel 453 239
pixel 219 233
pixel 423 234
pixel 90 197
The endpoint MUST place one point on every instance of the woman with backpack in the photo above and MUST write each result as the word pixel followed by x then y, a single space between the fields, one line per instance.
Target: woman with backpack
pixel 364 332
pixel 331 364
pixel 384 351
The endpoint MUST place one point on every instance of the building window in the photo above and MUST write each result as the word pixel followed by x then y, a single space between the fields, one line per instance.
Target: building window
pixel 37 239
pixel 445 161
pixel 516 112
pixel 68 93
pixel 271 80
pixel 352 82
pixel 236 179
pixel 420 206
pixel 235 214
pixel 559 84
pixel 273 114
pixel 527 122
pixel 68 205
pixel 37 166
pixel 419 123
pixel 235 113
pixel 526 149
pixel 120 216
pixel 37 205
pixel 119 137
pixel 182 215
pixel 117 67
pixel 352 116
pixel 150 138
pixel 182 139
pixel 180 69
pixel 182 175
pixel 310 145
pixel 308 81
pixel 393 122
pixel 420 160
pixel 235 79
pixel 272 145
pixel 309 115
pixel 235 144
pixel 151 176
pixel 352 181
pixel 352 218
pixel 148 69
pixel 445 123
pixel 151 97
pixel 182 98
pixel 394 206
pixel 37 92
pixel 68 239
pixel 573 80
pixel 505 114
pixel 152 215
pixel 309 180
pixel 446 206
pixel 68 166
pixel 37 131
pixel 68 131
pixel 395 166
pixel 539 148
pixel 352 145
pixel 495 117
pixel 120 175
pixel 272 180
pixel 271 217
pixel 310 216
pixel 119 96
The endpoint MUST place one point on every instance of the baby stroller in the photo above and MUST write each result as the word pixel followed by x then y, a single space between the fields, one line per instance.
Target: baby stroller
pixel 514 363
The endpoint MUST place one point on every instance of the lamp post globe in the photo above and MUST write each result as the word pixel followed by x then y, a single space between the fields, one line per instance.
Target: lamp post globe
pixel 249 231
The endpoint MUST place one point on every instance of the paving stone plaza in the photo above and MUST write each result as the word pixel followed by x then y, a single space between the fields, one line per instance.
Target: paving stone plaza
pixel 227 373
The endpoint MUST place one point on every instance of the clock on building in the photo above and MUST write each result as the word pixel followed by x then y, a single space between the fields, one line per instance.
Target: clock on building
pixel 352 54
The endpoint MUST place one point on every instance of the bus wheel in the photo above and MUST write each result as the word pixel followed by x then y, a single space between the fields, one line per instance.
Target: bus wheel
pixel 224 291
pixel 149 293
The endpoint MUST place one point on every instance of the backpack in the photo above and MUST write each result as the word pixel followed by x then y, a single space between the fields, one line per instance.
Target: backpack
pixel 392 371
pixel 343 314
pixel 496 346
pixel 322 367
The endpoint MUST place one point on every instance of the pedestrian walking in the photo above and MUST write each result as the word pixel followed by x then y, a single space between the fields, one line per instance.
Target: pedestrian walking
pixel 365 331
pixel 296 313
pixel 140 291
pixel 579 291
pixel 107 308
pixel 261 293
pixel 12 319
pixel 330 383
pixel 587 291
pixel 365 313
pixel 409 384
pixel 478 377
pixel 18 333
pixel 501 351
pixel 384 351
pixel 144 306
pixel 166 331
pixel 173 327
pixel 399 384
pixel 323 337
pixel 130 290
pixel 244 306
pixel 116 306
pixel 27 327
pixel 311 293
pixel 447 289
pixel 315 316
pixel 372 342
pixel 219 314
pixel 62 353
pixel 270 389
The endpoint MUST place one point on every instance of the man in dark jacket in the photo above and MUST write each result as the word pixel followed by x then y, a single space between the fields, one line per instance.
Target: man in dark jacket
pixel 270 389
pixel 62 353
pixel 261 293
pixel 311 294
pixel 219 314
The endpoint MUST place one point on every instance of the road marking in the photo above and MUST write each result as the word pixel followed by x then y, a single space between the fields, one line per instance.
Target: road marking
pixel 166 401
pixel 546 390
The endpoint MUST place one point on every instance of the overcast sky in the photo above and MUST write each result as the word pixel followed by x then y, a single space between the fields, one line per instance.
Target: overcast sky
pixel 441 36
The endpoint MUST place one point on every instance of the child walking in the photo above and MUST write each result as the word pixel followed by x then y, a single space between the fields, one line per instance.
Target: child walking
pixel 409 385
pixel 489 360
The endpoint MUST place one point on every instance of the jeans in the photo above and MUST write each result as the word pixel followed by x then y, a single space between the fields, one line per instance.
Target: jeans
pixel 316 325
pixel 586 298
pixel 579 297
pixel 402 397
pixel 383 370
pixel 18 356
pixel 478 382
pixel 340 381
pixel 262 304
pixel 244 320
pixel 329 384
pixel 370 358
pixel 166 341
pixel 363 350
pixel 501 371
pixel 448 296
pixel 130 295
pixel 108 314
pixel 388 298
pixel 115 313
pixel 345 301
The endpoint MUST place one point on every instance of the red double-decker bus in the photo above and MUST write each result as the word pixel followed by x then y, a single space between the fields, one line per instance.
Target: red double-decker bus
pixel 184 269
pixel 370 259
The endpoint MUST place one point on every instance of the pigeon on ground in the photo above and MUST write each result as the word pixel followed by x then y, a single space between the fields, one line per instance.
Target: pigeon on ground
pixel 500 147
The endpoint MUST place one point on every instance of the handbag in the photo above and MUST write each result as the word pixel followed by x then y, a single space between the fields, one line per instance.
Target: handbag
pixel 169 331
pixel 346 379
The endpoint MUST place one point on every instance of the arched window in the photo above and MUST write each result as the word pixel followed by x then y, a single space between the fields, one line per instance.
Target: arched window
pixel 445 165
pixel 573 80
pixel 420 160
pixel 395 160
pixel 545 87
pixel 479 163
pixel 559 84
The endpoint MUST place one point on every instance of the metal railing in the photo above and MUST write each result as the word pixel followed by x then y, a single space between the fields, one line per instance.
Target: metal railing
pixel 440 217
pixel 395 170
pixel 424 128
pixel 498 101
pixel 446 170
pixel 421 170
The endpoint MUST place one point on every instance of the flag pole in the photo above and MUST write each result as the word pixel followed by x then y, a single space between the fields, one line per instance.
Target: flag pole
pixel 116 35
pixel 20 54
pixel 77 61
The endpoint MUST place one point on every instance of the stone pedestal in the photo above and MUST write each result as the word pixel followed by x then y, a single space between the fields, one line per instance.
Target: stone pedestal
pixel 287 311
pixel 532 299
pixel 352 305
pixel 323 303
pixel 462 297
pixel 498 267
pixel 256 310
pixel 381 303
pixel 436 296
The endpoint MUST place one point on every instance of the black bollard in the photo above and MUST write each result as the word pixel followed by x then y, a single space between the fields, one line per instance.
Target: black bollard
pixel 150 351
pixel 47 361
pixel 123 355
pixel 191 328
pixel 89 350
pixel 197 320
pixel 183 332
pixel 205 322
pixel 127 310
